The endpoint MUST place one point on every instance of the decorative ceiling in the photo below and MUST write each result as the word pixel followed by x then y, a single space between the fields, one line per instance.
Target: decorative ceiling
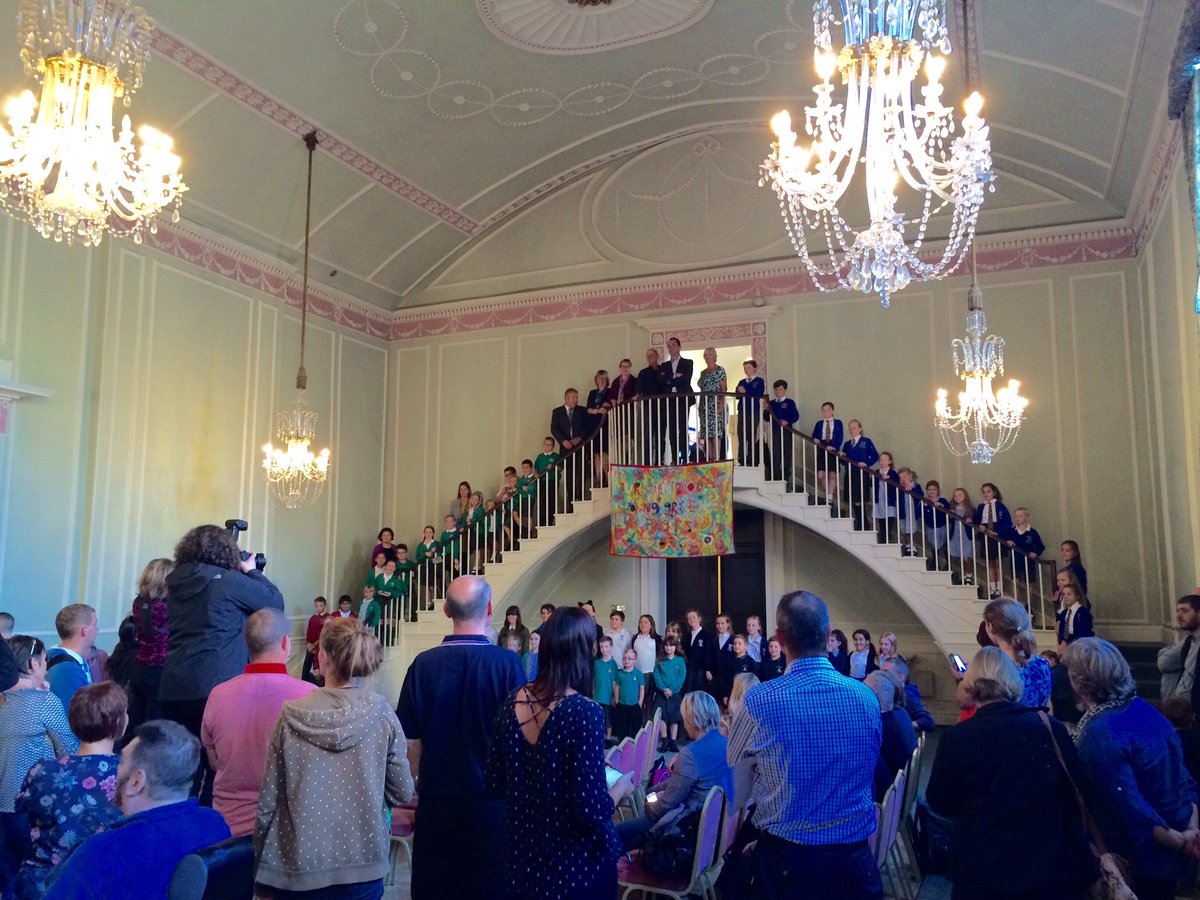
pixel 471 150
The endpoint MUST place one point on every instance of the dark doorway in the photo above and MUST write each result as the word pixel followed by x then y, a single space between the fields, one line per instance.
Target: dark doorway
pixel 693 582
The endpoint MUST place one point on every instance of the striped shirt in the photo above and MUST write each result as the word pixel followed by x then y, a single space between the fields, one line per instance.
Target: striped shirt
pixel 33 727
pixel 814 736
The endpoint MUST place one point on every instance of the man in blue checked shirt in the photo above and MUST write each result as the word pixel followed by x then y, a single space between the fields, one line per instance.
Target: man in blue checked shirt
pixel 814 736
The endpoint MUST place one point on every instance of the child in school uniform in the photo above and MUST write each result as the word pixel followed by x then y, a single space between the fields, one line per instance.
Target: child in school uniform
pixel 404 570
pixel 742 660
pixel 548 493
pixel 526 499
pixel 909 509
pixel 774 663
pixel 630 692
pixel 723 659
pixel 961 538
pixel 993 517
pixel 783 414
pixel 669 674
pixel 886 497
pixel 1073 560
pixel 827 435
pixel 429 565
pixel 604 682
pixel 861 454
pixel 755 644
pixel 750 391
pixel 529 662
pixel 449 541
pixel 1075 618
pixel 1027 548
pixel 937 527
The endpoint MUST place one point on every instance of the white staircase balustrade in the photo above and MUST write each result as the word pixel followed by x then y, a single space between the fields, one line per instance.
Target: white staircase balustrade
pixel 941 565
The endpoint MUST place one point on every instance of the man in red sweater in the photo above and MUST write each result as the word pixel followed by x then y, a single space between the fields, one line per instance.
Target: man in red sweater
pixel 312 634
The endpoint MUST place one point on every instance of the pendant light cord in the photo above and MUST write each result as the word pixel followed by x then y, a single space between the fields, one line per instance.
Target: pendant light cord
pixel 310 141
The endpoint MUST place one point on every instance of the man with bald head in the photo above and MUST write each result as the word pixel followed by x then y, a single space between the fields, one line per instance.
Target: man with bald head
pixel 448 706
pixel 813 788
pixel 240 717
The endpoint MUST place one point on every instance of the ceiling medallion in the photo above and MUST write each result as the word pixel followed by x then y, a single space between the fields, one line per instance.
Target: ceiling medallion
pixel 587 26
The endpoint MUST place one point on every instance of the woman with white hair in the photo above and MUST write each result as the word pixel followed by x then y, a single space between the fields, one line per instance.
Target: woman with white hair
pixel 1136 764
pixel 712 380
pixel 899 737
pixel 700 765
pixel 1017 830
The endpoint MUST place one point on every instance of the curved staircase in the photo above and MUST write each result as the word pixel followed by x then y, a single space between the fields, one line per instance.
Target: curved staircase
pixel 950 612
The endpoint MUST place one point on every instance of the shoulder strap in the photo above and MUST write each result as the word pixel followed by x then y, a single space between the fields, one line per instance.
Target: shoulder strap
pixel 1088 822
pixel 58 659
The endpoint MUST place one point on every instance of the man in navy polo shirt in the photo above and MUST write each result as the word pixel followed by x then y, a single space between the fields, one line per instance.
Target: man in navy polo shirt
pixel 448 707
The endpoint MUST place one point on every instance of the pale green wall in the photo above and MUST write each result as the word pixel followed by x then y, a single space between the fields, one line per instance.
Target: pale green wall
pixel 166 380
pixel 1106 353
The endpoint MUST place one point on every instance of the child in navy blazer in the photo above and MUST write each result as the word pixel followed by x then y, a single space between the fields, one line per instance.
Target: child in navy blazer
pixel 861 453
pixel 937 527
pixel 783 412
pixel 1026 544
pixel 993 517
pixel 909 511
pixel 886 498
pixel 1075 618
pixel 750 391
pixel 827 435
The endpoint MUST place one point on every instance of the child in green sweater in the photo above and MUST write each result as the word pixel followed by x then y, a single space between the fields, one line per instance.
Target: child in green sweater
pixel 669 674
pixel 548 494
pixel 604 682
pixel 631 690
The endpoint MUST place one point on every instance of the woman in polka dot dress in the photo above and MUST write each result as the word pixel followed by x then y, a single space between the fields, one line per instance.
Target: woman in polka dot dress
pixel 547 761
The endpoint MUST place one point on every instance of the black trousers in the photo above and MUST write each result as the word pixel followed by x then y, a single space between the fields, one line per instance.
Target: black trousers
pixel 143 695
pixel 677 428
pixel 458 848
pixel 787 871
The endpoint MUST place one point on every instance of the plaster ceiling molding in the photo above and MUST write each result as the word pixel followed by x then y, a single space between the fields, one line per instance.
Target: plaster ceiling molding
pixel 688 201
pixel 379 31
pixel 562 28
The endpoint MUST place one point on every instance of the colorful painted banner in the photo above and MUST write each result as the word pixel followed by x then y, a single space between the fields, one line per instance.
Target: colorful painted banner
pixel 672 511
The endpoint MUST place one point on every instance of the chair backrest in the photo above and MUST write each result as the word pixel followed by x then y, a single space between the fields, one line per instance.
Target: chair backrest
pixel 911 782
pixel 889 818
pixel 709 834
pixel 224 871
pixel 730 823
pixel 655 726
pixel 626 747
pixel 613 758
pixel 644 750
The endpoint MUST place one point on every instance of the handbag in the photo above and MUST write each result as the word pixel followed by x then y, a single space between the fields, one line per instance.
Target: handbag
pixel 934 838
pixel 659 772
pixel 1113 883
pixel 670 850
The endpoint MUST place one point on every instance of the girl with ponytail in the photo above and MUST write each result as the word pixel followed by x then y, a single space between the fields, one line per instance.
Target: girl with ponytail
pixel 1008 627
pixel 337 759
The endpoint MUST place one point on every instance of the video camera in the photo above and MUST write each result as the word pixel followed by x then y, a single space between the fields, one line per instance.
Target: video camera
pixel 236 527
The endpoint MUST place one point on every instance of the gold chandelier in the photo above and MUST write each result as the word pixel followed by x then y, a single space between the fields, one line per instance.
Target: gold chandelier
pixel 61 169
pixel 296 474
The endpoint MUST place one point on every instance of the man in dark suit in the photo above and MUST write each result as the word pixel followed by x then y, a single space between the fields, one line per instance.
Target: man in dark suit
pixel 700 662
pixel 677 379
pixel 650 385
pixel 569 426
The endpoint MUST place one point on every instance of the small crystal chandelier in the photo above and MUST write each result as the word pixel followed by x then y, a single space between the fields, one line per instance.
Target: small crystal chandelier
pixel 60 166
pixel 896 140
pixel 296 475
pixel 977 361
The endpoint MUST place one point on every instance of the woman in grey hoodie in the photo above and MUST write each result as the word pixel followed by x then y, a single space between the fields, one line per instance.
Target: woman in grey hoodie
pixel 337 763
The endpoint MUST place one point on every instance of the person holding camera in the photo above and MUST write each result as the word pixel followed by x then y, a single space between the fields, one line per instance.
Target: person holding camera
pixel 210 594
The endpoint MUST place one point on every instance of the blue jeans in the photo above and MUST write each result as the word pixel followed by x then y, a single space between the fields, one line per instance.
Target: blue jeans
pixel 362 890
pixel 787 871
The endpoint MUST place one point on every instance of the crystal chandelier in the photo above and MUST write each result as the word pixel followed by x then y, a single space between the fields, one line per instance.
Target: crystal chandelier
pixel 977 362
pixel 60 166
pixel 297 475
pixel 897 141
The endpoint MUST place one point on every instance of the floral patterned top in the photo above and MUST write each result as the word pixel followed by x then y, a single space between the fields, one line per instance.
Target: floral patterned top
pixel 67 800
pixel 1036 674
pixel 151 618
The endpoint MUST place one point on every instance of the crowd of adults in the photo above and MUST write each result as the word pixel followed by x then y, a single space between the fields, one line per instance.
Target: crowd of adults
pixel 514 797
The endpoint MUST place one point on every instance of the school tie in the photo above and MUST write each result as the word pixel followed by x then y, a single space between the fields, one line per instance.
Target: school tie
pixel 827 434
pixel 1071 622
pixel 991 512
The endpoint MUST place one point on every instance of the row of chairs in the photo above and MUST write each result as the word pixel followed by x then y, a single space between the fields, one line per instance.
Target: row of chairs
pixel 894 839
pixel 634 757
